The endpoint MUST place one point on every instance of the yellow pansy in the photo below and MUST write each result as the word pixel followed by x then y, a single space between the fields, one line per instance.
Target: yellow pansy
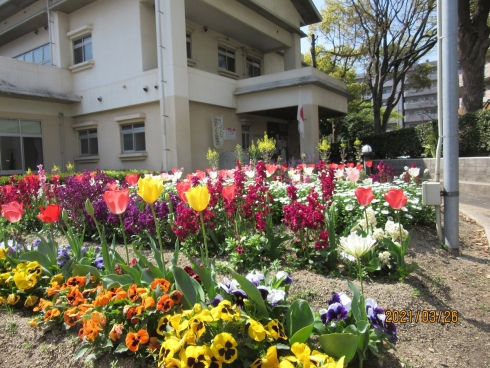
pixel 331 363
pixel 256 330
pixel 30 301
pixel 168 350
pixel 224 348
pixel 198 198
pixel 59 278
pixel 2 253
pixel 269 361
pixel 13 299
pixel 24 280
pixel 196 356
pixel 149 188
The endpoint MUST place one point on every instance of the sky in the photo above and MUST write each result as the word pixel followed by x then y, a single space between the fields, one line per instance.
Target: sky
pixel 305 43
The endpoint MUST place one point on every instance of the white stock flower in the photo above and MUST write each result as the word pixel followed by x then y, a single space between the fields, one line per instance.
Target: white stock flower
pixel 213 174
pixel 367 182
pixel 378 234
pixel 426 171
pixel 356 245
pixel 405 168
pixel 339 174
pixel 308 170
pixel 384 258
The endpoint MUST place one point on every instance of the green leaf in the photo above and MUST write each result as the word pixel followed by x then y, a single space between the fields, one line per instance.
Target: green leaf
pixel 252 292
pixel 81 352
pixel 192 292
pixel 362 326
pixel 157 255
pixel 155 270
pixel 300 321
pixel 147 276
pixel 175 258
pixel 356 301
pixel 121 348
pixel 133 272
pixel 110 281
pixel 82 270
pixel 339 345
pixel 39 257
pixel 49 248
pixel 67 269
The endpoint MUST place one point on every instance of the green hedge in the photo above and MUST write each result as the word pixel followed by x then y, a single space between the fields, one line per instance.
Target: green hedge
pixel 116 174
pixel 421 141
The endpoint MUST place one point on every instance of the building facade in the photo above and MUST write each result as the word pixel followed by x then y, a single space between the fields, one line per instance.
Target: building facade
pixel 152 84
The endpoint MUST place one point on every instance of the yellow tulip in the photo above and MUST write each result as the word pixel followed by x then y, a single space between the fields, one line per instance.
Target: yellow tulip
pixel 198 198
pixel 150 188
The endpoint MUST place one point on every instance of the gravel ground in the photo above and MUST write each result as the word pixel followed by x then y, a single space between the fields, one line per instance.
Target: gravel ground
pixel 442 282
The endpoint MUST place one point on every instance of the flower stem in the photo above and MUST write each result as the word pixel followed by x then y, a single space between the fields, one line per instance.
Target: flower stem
pixel 205 261
pixel 124 237
pixel 159 237
pixel 400 227
pixel 360 275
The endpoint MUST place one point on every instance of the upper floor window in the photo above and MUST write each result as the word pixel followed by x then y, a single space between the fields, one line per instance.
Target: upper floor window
pixel 188 45
pixel 133 138
pixel 21 145
pixel 253 67
pixel 41 55
pixel 82 49
pixel 88 142
pixel 226 58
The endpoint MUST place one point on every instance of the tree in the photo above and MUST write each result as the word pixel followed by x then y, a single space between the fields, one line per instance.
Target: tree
pixel 385 38
pixel 473 45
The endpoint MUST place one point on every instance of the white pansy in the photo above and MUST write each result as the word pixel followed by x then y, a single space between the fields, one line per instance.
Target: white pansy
pixel 275 296
pixel 356 245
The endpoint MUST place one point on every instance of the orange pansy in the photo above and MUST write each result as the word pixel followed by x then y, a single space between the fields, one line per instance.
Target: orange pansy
pixel 148 302
pixel 176 297
pixel 134 292
pixel 75 297
pixel 75 281
pixel 52 313
pixel 164 284
pixel 133 340
pixel 165 303
pixel 116 331
pixel 43 304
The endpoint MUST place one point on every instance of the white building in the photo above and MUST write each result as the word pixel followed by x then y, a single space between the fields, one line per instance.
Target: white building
pixel 138 84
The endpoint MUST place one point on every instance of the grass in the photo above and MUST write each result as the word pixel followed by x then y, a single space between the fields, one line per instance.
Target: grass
pixel 484 308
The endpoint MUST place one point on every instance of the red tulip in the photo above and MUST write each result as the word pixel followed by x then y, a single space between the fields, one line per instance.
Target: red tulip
pixel 364 196
pixel 50 214
pixel 333 166
pixel 223 173
pixel 340 166
pixel 208 170
pixel 113 186
pixel 271 168
pixel 396 198
pixel 132 179
pixel 55 178
pixel 117 200
pixel 229 192
pixel 13 211
pixel 183 187
pixel 200 174
pixel 350 164
pixel 369 163
pixel 359 167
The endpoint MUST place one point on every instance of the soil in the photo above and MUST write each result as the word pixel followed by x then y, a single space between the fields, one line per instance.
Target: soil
pixel 442 283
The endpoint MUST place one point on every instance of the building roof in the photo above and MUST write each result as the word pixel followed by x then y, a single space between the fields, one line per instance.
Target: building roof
pixel 308 11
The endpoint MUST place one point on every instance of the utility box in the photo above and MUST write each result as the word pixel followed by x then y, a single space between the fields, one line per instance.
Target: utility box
pixel 431 193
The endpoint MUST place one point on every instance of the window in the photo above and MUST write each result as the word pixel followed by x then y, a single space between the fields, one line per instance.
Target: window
pixel 245 137
pixel 133 138
pixel 88 142
pixel 41 55
pixel 226 58
pixel 21 145
pixel 82 49
pixel 188 45
pixel 253 67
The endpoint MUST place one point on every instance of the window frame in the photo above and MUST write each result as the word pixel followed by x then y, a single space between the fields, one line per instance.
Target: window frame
pixel 245 136
pixel 132 132
pixel 82 46
pixel 21 137
pixel 41 48
pixel 227 52
pixel 88 137
pixel 249 60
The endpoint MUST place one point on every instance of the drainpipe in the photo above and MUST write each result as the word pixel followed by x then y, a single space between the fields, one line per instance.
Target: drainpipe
pixel 160 49
pixel 61 119
pixel 450 99
pixel 49 32
pixel 437 176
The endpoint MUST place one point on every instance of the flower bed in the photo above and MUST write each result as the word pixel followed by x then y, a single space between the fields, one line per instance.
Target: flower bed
pixel 180 317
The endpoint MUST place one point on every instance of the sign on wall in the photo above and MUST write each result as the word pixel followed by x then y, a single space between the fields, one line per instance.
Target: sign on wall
pixel 230 134
pixel 218 134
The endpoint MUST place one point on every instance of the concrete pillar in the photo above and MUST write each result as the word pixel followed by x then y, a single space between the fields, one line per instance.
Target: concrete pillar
pixel 292 56
pixel 177 86
pixel 309 143
pixel 62 48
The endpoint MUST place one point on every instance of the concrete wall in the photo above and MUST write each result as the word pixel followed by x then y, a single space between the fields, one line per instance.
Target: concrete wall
pixel 474 169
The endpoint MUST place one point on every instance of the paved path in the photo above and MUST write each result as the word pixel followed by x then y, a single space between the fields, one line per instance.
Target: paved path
pixel 476 207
